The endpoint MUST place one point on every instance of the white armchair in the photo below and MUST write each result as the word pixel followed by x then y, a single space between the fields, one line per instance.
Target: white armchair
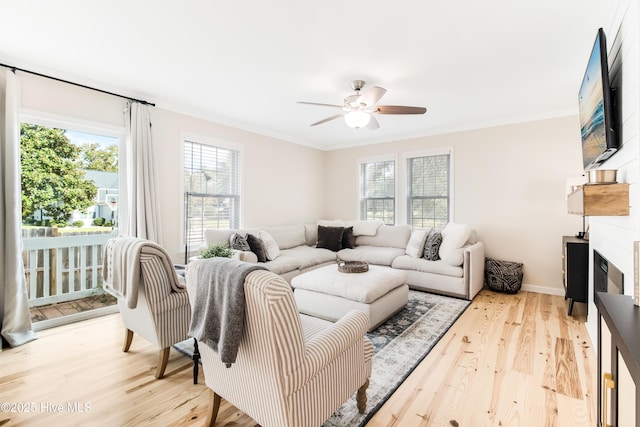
pixel 152 299
pixel 291 369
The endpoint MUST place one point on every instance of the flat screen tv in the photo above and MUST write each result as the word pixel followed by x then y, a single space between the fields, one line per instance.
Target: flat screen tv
pixel 597 112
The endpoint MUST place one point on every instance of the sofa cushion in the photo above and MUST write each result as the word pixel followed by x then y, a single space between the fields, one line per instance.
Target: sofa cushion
pixel 283 264
pixel 432 245
pixel 214 236
pixel 406 262
pixel 311 234
pixel 454 237
pixel 288 236
pixel 415 247
pixel 270 246
pixel 330 222
pixel 394 236
pixel 330 238
pixel 309 256
pixel 371 254
pixel 364 227
pixel 348 238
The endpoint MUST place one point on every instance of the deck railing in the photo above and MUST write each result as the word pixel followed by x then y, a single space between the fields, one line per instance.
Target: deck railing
pixel 63 268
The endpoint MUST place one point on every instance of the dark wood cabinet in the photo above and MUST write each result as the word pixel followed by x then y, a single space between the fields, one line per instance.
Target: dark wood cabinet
pixel 618 360
pixel 575 269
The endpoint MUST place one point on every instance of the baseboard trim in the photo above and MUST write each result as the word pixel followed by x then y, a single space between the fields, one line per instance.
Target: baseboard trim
pixel 543 290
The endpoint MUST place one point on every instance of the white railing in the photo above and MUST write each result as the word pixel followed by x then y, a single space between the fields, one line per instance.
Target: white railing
pixel 63 268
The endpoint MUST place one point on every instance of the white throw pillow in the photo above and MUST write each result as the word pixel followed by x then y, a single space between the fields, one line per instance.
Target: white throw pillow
pixel 270 245
pixel 454 237
pixel 415 247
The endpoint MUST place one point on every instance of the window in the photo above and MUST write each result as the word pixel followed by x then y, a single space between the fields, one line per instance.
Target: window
pixel 428 191
pixel 378 191
pixel 211 190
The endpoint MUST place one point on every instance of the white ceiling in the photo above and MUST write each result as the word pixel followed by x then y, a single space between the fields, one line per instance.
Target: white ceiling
pixel 471 63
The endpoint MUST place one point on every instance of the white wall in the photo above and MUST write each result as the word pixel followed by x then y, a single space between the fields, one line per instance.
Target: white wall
pixel 282 182
pixel 613 237
pixel 509 184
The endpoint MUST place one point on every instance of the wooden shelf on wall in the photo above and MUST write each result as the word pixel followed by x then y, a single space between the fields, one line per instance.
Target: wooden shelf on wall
pixel 599 200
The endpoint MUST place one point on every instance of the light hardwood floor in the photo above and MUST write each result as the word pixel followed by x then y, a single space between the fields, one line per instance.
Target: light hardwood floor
pixel 510 360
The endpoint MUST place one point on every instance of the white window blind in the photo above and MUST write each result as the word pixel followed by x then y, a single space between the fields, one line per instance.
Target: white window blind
pixel 211 189
pixel 378 191
pixel 428 201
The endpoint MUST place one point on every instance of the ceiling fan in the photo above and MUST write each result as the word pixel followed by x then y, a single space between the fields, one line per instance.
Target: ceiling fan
pixel 358 108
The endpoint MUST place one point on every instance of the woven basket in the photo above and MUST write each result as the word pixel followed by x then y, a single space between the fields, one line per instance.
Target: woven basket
pixel 352 267
pixel 503 276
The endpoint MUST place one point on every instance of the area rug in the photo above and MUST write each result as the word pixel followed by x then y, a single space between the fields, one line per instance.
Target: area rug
pixel 400 344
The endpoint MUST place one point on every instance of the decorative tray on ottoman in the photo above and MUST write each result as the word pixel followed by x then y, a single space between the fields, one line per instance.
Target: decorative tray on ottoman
pixel 352 266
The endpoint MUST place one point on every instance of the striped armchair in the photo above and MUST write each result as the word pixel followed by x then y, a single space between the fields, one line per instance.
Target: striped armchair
pixel 152 298
pixel 291 369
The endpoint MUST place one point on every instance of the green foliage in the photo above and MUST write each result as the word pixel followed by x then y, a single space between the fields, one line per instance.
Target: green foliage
pixel 98 221
pixel 217 251
pixel 95 157
pixel 108 223
pixel 51 181
pixel 78 223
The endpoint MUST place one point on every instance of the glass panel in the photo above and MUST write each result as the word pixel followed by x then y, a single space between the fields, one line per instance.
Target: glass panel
pixel 211 182
pixel 70 190
pixel 428 191
pixel 377 195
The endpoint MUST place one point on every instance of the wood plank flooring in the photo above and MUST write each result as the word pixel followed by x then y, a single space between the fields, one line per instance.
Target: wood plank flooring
pixel 510 360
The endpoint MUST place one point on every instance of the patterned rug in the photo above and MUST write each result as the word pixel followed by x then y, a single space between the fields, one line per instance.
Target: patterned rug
pixel 400 344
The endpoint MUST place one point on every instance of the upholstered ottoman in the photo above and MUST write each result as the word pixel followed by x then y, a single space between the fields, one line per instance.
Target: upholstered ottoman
pixel 329 294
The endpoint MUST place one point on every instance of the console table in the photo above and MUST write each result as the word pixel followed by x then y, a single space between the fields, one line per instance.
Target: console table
pixel 575 269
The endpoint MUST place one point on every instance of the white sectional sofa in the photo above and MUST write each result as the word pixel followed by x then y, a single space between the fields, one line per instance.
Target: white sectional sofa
pixel 293 251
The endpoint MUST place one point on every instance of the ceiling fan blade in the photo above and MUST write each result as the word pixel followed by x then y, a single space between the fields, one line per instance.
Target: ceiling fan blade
pixel 399 109
pixel 372 95
pixel 373 124
pixel 320 104
pixel 328 119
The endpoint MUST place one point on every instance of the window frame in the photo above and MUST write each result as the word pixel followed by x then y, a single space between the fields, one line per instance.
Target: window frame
pixel 213 143
pixel 406 174
pixel 378 159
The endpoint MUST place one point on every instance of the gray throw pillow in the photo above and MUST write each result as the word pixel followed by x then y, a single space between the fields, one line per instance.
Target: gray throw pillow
pixel 348 239
pixel 257 247
pixel 239 242
pixel 432 245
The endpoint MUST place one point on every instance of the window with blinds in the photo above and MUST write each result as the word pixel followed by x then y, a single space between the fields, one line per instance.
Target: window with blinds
pixel 378 191
pixel 428 192
pixel 211 190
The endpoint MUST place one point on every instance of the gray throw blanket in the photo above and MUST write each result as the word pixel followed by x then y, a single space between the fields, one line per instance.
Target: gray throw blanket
pixel 218 310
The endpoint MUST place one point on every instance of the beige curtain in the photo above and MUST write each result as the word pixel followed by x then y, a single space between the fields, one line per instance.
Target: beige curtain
pixel 141 187
pixel 15 319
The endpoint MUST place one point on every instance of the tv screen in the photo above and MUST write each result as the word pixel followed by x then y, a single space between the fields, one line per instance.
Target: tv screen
pixel 596 108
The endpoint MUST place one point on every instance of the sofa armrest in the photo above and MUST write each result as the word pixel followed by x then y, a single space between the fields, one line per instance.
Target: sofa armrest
pixel 246 256
pixel 474 269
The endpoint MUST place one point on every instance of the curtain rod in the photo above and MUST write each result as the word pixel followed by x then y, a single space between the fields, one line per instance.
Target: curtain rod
pixel 141 101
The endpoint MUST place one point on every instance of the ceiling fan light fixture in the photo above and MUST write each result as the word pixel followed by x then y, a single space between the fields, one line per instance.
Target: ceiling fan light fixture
pixel 357 119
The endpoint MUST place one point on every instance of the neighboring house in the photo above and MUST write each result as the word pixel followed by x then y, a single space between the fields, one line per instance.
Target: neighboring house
pixel 106 200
